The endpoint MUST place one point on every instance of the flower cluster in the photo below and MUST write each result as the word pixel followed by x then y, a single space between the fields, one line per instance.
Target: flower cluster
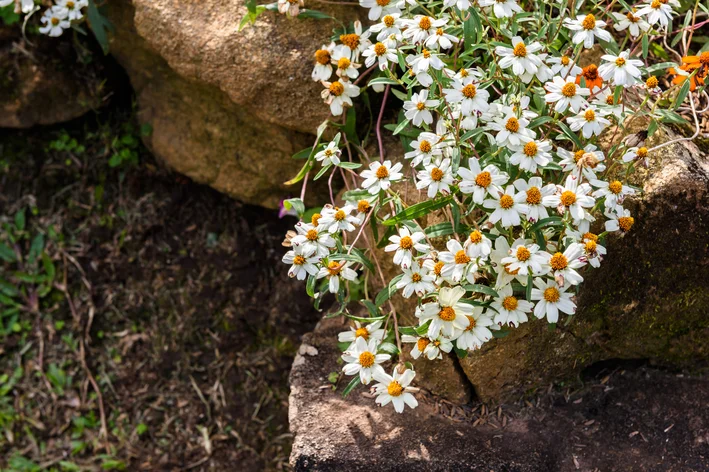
pixel 55 19
pixel 501 117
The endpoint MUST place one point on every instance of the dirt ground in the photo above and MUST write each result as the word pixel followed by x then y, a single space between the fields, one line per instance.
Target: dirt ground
pixel 167 296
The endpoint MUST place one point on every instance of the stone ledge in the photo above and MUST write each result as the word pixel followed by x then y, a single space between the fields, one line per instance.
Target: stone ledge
pixel 642 419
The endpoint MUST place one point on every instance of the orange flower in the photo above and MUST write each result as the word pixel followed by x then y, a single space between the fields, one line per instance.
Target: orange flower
pixel 690 64
pixel 593 79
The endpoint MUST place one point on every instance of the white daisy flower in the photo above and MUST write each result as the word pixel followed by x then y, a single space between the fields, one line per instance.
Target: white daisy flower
pixel 426 148
pixel 511 310
pixel 593 252
pixel 623 70
pixel 471 98
pixel 511 130
pixel 544 73
pixel 396 390
pixel 336 270
pixel 331 154
pixel 364 360
pixel 420 64
pixel 520 57
pixel 534 192
pixel 614 193
pixel 477 332
pixel 73 8
pixel 590 121
pixel 430 348
pixel 481 182
pixel 338 94
pixel 502 9
pixel 552 300
pixel 564 66
pixel 323 63
pixel 417 110
pixel 477 245
pixel 621 221
pixel 380 53
pixel 436 268
pixel 366 332
pixel 290 7
pixel 404 244
pixel 604 99
pixel 436 178
pixel 457 265
pixel 356 42
pixel 587 29
pixel 525 256
pixel 507 207
pixel 379 176
pixel 379 8
pixel 441 39
pixel 303 262
pixel 636 154
pixel 463 5
pixel 504 274
pixel 634 24
pixel 532 154
pixel 313 239
pixel 572 197
pixel 586 161
pixel 342 58
pixel 417 279
pixel 55 20
pixel 657 12
pixel 389 25
pixel 448 315
pixel 564 265
pixel 566 94
pixel 421 27
pixel 334 219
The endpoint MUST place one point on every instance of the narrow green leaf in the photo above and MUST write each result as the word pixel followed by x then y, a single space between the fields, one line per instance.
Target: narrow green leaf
pixel 351 386
pixel 478 288
pixel 387 291
pixel 417 211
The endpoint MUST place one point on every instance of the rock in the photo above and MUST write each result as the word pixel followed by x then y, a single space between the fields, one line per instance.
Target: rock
pixel 45 83
pixel 640 420
pixel 227 108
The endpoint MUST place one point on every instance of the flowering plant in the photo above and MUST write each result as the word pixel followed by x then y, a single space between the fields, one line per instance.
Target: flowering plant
pixel 501 128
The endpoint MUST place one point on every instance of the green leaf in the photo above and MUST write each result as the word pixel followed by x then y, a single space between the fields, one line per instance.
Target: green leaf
pixel 36 248
pixel 461 353
pixel 296 204
pixel 683 91
pixel 383 81
pixel 400 127
pixel 550 221
pixel 440 229
pixel 646 45
pixel 349 165
pixel 306 167
pixel 355 256
pixel 417 211
pixel 20 220
pixel 660 66
pixel 387 291
pixel 351 386
pixel 7 254
pixel 310 286
pixel 408 330
pixel 371 308
pixel 472 28
pixel 304 154
pixel 99 25
pixel 478 288
pixel 570 134
pixel 318 15
pixel 528 292
pixel 322 171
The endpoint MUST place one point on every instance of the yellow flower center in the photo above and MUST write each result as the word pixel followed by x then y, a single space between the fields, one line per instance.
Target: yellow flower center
pixel 591 247
pixel 447 313
pixel 438 268
pixel 312 235
pixel 436 174
pixel 426 54
pixel 463 73
pixel 590 115
pixel 420 105
pixel 471 323
pixel 299 260
pixel 366 359
pixel 625 223
pixel 632 18
pixel 422 343
pixel 439 32
pixel 337 89
pixel 530 149
pixel 55 21
pixel 340 215
pixel 590 236
pixel 615 187
pixel 651 82
pixel 510 271
pixel 388 21
pixel 704 58
pixel 362 333
pixel 406 243
pixel 512 125
pixel 334 268
pixel 568 198
pixel 534 196
pixel 425 23
pixel 469 91
pixel 424 146
pixel 569 90
pixel 322 56
pixel 476 237
pixel 416 277
pixel 70 5
pixel 315 218
pixel 382 172
pixel 565 60
pixel 578 155
pixel 656 4
pixel 363 206
pixel 620 62
pixel 558 261
pixel 552 295
pixel 523 254
pixel 609 100
pixel 590 73
pixel 510 303
pixel 642 152
pixel 520 50
pixel 350 40
pixel 343 63
pixel 461 257
pixel 394 389
pixel 483 179
pixel 589 22
pixel 380 49
pixel 506 202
